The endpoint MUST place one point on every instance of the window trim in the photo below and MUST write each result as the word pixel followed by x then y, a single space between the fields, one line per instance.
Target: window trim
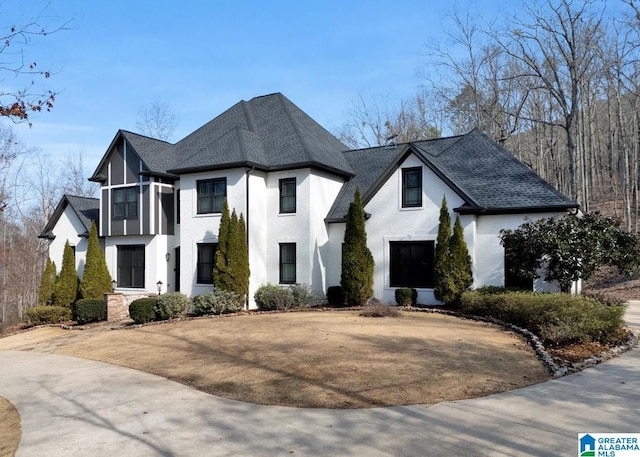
pixel 120 280
pixel 281 264
pixel 129 207
pixel 215 208
pixel 405 187
pixel 430 269
pixel 282 183
pixel 200 278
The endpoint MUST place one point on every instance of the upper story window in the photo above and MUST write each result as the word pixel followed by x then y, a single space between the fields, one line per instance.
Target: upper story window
pixel 211 195
pixel 178 206
pixel 412 187
pixel 288 195
pixel 125 203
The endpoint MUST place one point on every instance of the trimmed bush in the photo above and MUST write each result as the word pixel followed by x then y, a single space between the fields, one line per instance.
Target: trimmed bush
pixel 88 310
pixel 170 305
pixel 218 302
pixel 406 296
pixel 143 310
pixel 96 280
pixel 302 295
pixel 270 297
pixel 335 296
pixel 557 319
pixel 40 315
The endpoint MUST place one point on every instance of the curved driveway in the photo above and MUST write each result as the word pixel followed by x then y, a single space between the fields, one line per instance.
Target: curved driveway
pixel 73 406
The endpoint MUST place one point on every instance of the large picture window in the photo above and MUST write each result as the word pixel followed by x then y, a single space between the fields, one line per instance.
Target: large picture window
pixel 513 280
pixel 287 263
pixel 412 187
pixel 211 195
pixel 131 266
pixel 206 259
pixel 288 195
pixel 125 203
pixel 412 264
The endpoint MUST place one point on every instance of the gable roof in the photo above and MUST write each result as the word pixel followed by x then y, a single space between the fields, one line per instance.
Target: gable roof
pixel 267 132
pixel 486 176
pixel 87 209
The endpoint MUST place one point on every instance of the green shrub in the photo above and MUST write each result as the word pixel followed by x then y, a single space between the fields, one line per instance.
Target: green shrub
pixel 88 310
pixel 380 310
pixel 170 305
pixel 406 296
pixel 143 310
pixel 218 302
pixel 302 295
pixel 270 297
pixel 556 319
pixel 40 315
pixel 335 296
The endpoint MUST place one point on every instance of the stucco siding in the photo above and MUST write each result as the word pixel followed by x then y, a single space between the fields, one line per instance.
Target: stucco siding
pixel 68 228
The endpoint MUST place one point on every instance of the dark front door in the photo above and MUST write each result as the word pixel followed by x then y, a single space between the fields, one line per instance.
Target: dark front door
pixel 176 268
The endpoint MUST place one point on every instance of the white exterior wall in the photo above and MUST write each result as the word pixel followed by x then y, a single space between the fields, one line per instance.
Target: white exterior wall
pixel 257 232
pixel 151 275
pixel 68 228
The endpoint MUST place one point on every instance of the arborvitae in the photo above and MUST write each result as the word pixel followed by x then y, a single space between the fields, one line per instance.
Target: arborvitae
pixel 460 261
pixel 443 265
pixel 66 289
pixel 233 260
pixel 220 280
pixel 47 283
pixel 243 260
pixel 96 279
pixel 357 261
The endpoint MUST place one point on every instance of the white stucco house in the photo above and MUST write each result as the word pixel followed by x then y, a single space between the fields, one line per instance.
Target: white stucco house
pixel 160 203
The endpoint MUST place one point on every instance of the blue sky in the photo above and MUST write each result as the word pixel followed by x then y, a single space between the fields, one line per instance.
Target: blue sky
pixel 201 57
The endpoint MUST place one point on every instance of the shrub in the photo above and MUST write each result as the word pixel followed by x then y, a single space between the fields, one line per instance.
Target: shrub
pixel 218 302
pixel 170 305
pixel 40 315
pixel 143 310
pixel 406 296
pixel 380 310
pixel 66 288
pixel 88 310
pixel 96 280
pixel 269 297
pixel 556 319
pixel 301 293
pixel 335 296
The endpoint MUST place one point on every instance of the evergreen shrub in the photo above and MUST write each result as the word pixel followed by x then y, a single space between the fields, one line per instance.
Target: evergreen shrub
pixel 40 315
pixel 143 310
pixel 218 302
pixel 171 305
pixel 302 295
pixel 406 296
pixel 335 296
pixel 88 310
pixel 272 297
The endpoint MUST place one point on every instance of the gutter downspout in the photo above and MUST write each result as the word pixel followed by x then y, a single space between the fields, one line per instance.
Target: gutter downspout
pixel 247 174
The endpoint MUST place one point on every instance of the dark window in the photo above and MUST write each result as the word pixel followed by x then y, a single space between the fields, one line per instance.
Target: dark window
pixel 125 203
pixel 412 264
pixel 206 258
pixel 178 206
pixel 131 266
pixel 288 195
pixel 287 263
pixel 512 279
pixel 211 195
pixel 411 187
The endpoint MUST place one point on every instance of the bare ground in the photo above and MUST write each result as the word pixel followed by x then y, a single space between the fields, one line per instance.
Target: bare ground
pixel 333 359
pixel 10 430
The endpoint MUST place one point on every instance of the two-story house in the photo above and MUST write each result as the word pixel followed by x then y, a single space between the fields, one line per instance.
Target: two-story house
pixel 160 203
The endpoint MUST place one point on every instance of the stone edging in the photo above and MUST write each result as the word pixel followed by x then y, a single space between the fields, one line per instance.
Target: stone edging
pixel 552 367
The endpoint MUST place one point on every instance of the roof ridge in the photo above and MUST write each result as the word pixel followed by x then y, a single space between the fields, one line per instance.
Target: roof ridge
pixel 145 136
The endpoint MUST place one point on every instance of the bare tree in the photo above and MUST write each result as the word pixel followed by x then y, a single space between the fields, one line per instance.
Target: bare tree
pixel 75 177
pixel 157 120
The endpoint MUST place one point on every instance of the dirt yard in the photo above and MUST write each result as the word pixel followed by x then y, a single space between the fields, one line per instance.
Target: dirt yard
pixel 10 431
pixel 332 359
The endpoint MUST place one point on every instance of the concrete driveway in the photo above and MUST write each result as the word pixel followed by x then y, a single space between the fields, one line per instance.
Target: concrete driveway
pixel 80 407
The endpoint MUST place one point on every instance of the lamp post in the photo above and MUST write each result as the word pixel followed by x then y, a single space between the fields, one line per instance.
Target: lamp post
pixel 159 285
pixel 114 283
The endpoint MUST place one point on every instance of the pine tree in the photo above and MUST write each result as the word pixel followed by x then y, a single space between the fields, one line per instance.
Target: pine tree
pixel 460 261
pixel 66 288
pixel 443 265
pixel 47 284
pixel 357 260
pixel 220 279
pixel 96 279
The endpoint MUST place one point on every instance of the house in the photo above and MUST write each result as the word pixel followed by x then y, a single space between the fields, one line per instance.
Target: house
pixel 71 222
pixel 160 203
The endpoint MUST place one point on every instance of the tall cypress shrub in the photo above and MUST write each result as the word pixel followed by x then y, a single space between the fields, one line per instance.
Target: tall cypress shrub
pixel 443 264
pixel 233 255
pixel 357 260
pixel 243 260
pixel 220 276
pixel 96 280
pixel 460 261
pixel 47 283
pixel 66 289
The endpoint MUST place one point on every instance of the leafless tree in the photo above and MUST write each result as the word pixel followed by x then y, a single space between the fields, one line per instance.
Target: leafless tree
pixel 157 120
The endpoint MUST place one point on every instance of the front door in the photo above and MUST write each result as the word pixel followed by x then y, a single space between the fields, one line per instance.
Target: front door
pixel 176 268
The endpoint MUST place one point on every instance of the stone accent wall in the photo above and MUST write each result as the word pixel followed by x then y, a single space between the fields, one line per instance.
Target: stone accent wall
pixel 118 305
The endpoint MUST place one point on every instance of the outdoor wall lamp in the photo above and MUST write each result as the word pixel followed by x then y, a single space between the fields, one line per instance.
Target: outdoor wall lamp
pixel 114 283
pixel 167 256
pixel 159 284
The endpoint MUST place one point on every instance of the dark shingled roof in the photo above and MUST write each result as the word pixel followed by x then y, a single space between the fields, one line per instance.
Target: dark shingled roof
pixel 87 210
pixel 486 176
